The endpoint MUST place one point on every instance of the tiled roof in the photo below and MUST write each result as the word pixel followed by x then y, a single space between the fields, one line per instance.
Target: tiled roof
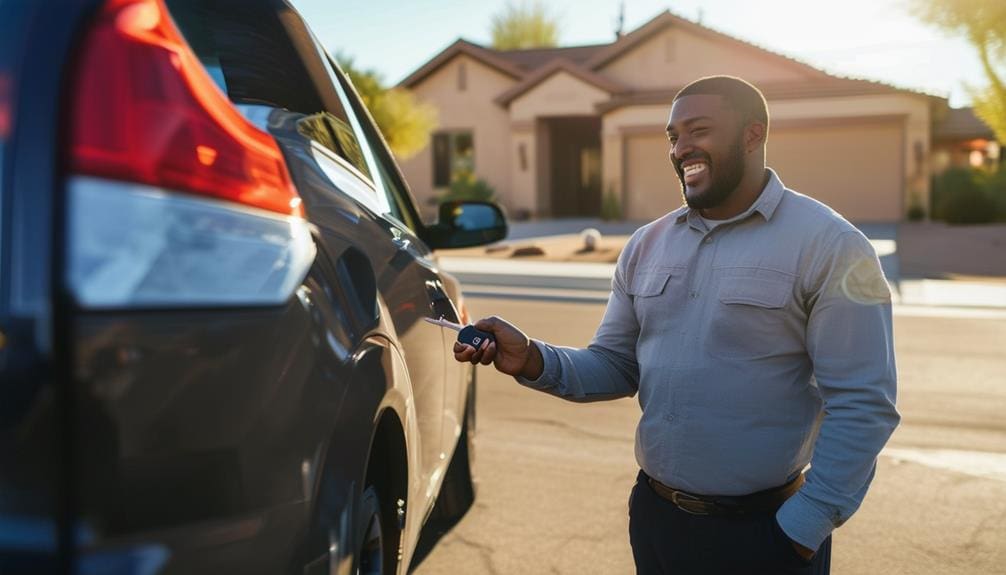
pixel 530 60
pixel 824 87
pixel 962 123
pixel 587 60
pixel 462 46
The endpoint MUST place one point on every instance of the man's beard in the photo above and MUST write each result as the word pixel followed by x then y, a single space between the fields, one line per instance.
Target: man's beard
pixel 725 177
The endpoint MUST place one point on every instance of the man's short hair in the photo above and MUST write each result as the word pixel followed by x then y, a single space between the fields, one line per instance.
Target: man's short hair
pixel 739 94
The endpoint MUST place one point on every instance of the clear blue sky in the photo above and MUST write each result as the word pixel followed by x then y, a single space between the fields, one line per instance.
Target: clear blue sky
pixel 873 39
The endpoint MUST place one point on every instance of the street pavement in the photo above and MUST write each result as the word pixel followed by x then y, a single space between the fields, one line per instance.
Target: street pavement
pixel 554 476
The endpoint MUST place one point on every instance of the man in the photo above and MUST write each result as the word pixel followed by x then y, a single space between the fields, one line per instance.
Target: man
pixel 755 323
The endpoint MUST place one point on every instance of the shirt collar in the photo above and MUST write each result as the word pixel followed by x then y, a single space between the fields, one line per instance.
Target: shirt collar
pixel 765 205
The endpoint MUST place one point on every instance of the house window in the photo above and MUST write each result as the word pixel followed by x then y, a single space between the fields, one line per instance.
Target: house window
pixel 462 77
pixel 453 153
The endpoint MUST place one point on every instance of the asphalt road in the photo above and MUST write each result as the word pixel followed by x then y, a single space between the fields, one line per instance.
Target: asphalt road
pixel 554 477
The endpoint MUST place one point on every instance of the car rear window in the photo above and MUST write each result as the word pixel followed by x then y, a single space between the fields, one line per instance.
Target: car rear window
pixel 260 53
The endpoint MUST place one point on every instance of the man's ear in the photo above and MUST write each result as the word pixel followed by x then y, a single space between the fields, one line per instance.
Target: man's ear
pixel 754 136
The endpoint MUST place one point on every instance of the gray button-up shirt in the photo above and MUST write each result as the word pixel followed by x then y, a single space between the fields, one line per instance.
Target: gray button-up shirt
pixel 756 347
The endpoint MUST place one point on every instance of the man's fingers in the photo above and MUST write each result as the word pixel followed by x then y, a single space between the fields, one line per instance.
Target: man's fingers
pixel 489 354
pixel 476 357
pixel 463 352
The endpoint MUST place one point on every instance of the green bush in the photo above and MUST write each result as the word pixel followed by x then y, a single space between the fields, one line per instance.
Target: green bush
pixel 963 196
pixel 465 186
pixel 916 213
pixel 996 185
pixel 611 208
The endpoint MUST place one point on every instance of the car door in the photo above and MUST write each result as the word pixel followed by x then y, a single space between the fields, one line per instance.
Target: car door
pixel 407 277
pixel 403 211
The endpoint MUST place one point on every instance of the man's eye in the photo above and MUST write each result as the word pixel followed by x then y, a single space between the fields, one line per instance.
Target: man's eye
pixel 699 131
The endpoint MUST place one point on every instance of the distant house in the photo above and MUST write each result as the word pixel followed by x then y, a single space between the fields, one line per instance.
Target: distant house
pixel 962 140
pixel 553 129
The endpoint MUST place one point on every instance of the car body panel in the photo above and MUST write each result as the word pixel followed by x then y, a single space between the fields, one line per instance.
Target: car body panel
pixel 205 440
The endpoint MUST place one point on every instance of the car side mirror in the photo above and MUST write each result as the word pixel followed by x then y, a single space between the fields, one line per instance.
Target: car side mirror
pixel 464 224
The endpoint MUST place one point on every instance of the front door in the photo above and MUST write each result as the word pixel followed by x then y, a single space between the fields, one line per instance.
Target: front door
pixel 576 166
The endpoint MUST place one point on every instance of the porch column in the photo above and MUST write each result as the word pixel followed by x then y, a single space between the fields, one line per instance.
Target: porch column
pixel 613 165
pixel 523 170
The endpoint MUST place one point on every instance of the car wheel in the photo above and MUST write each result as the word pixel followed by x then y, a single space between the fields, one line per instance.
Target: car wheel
pixel 458 491
pixel 377 550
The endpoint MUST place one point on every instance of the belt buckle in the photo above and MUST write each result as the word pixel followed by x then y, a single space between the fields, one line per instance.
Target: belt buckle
pixel 690 503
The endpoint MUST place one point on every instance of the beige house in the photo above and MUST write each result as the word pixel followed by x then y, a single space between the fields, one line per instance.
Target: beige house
pixel 553 129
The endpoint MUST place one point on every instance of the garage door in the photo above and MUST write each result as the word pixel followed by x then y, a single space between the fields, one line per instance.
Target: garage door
pixel 652 187
pixel 855 169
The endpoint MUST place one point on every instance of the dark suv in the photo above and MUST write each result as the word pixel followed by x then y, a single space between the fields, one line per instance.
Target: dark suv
pixel 213 282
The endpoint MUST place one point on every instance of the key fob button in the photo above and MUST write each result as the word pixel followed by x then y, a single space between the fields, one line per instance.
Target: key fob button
pixel 473 337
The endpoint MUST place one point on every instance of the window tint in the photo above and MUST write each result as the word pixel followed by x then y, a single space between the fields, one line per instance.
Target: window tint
pixel 390 183
pixel 257 54
pixel 336 135
pixel 248 52
pixel 391 195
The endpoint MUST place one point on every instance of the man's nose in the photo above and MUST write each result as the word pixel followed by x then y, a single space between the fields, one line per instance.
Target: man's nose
pixel 681 148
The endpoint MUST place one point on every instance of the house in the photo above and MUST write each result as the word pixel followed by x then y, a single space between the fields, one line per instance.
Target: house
pixel 961 140
pixel 552 130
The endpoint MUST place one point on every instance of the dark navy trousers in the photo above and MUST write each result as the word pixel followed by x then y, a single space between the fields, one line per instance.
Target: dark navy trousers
pixel 668 541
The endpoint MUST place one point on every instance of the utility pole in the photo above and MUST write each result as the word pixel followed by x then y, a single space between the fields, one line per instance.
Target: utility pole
pixel 620 23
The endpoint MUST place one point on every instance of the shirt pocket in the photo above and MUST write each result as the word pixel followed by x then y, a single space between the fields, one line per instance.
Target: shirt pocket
pixel 750 316
pixel 650 283
pixel 653 297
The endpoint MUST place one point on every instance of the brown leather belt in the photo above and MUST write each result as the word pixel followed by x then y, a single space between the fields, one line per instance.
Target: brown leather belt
pixel 760 502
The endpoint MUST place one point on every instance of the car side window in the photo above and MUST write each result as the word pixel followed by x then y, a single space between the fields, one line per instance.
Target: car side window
pixel 335 135
pixel 391 183
pixel 389 206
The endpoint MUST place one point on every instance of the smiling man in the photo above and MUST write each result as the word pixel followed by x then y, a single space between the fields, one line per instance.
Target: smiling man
pixel 755 324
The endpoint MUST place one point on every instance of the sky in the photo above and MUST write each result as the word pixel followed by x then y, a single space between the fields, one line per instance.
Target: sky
pixel 871 39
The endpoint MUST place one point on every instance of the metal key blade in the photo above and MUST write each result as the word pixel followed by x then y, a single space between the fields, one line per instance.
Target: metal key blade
pixel 445 323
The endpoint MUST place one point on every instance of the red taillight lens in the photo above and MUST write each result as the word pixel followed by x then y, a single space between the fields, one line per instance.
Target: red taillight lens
pixel 146 111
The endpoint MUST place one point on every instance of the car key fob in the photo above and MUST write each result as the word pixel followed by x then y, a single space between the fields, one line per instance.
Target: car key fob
pixel 473 337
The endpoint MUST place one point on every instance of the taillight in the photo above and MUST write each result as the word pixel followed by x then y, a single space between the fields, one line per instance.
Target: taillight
pixel 146 111
pixel 174 198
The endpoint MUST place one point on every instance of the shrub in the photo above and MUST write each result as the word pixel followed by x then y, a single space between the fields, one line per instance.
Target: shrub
pixel 995 183
pixel 963 196
pixel 611 208
pixel 916 213
pixel 465 186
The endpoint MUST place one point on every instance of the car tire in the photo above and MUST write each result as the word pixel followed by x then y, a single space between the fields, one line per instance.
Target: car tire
pixel 458 491
pixel 377 537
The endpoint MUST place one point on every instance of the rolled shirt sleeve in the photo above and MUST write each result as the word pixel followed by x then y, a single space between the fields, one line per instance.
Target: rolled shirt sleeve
pixel 849 339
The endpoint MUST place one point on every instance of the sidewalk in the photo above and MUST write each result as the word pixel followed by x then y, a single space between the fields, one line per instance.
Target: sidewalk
pixel 592 281
pixel 928 264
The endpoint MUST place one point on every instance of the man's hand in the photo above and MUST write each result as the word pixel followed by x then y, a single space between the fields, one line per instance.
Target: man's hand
pixel 807 554
pixel 512 353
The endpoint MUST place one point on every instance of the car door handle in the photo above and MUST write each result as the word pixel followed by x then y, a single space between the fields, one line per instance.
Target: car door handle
pixel 440 303
pixel 399 240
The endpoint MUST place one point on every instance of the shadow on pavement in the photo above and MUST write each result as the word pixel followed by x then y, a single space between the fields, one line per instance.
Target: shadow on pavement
pixel 436 527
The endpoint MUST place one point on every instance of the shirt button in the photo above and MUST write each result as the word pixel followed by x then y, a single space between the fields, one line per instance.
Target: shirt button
pixel 709 240
pixel 694 294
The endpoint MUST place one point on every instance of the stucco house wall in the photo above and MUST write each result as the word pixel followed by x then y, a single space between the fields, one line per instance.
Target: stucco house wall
pixel 672 58
pixel 469 109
